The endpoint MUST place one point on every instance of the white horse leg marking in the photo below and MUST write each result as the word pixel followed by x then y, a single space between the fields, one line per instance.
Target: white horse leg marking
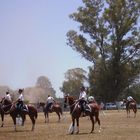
pixel 33 126
pixel 15 127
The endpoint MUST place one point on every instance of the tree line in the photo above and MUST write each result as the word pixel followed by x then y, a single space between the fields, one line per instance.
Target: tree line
pixel 109 37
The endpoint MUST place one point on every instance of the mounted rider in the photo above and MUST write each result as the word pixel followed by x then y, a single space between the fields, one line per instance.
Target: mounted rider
pixel 130 99
pixel 83 100
pixel 20 101
pixel 50 101
pixel 8 96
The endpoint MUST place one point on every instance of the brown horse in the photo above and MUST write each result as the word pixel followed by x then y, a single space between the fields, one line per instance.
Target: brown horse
pixel 2 112
pixel 55 108
pixel 4 107
pixel 132 105
pixel 76 111
pixel 14 112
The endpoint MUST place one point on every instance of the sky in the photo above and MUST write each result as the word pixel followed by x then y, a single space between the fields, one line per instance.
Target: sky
pixel 33 42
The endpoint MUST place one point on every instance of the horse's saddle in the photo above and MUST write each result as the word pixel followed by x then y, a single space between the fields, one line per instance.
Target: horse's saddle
pixel 22 108
pixel 87 108
pixel 50 108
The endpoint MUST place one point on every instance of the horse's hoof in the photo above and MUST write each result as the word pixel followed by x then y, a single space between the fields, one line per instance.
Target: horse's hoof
pixel 72 133
pixel 77 132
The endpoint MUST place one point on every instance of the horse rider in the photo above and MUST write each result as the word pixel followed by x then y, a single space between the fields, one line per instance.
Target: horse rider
pixel 83 100
pixel 8 96
pixel 20 101
pixel 129 100
pixel 49 102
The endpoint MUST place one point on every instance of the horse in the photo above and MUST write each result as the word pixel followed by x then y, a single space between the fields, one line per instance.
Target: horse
pixel 5 108
pixel 2 111
pixel 76 111
pixel 132 105
pixel 54 108
pixel 10 108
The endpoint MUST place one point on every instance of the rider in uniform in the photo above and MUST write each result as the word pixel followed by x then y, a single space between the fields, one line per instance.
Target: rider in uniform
pixel 8 96
pixel 83 100
pixel 129 100
pixel 49 102
pixel 20 101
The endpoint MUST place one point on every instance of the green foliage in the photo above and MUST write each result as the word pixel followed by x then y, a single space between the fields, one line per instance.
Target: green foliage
pixel 109 36
pixel 75 78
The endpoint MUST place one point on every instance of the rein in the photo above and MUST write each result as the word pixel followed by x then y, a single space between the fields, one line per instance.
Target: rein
pixel 75 104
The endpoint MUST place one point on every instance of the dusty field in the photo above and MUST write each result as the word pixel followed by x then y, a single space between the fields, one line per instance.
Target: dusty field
pixel 115 126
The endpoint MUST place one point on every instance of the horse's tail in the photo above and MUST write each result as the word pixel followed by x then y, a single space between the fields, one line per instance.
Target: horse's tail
pixel 135 108
pixel 36 114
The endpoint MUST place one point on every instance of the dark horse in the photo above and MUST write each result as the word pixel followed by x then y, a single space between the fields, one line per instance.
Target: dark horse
pixel 76 111
pixel 55 108
pixel 2 112
pixel 132 105
pixel 9 108
pixel 4 108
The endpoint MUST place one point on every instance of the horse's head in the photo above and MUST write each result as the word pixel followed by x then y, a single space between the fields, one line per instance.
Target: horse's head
pixel 40 104
pixel 124 101
pixel 68 100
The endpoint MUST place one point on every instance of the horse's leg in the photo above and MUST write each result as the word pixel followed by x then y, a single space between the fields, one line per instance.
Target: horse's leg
pixel 77 121
pixel 58 116
pixel 61 112
pixel 2 119
pixel 33 121
pixel 72 126
pixel 98 120
pixel 23 119
pixel 45 117
pixel 135 111
pixel 127 111
pixel 14 120
pixel 92 120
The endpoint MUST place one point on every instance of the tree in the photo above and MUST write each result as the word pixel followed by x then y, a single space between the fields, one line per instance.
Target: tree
pixel 109 36
pixel 75 78
pixel 44 83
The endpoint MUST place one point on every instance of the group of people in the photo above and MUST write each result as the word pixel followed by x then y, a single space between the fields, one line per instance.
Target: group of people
pixel 83 100
pixel 20 100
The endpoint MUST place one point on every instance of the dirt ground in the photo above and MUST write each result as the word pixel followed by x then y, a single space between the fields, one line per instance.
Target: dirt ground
pixel 115 126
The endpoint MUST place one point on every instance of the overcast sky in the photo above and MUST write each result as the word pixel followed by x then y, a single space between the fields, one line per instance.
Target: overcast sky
pixel 33 42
